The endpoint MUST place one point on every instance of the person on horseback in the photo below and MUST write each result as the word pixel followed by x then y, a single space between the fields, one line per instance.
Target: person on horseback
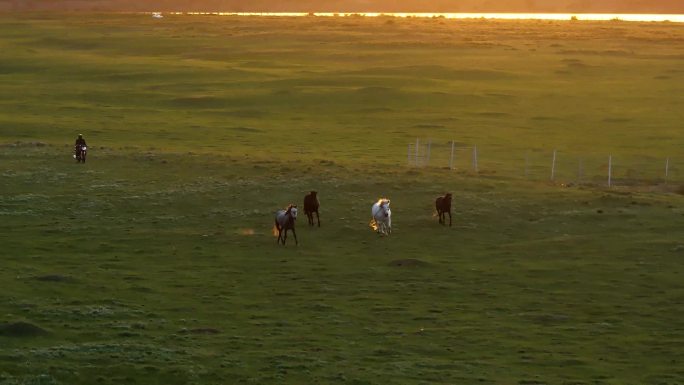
pixel 80 141
pixel 78 148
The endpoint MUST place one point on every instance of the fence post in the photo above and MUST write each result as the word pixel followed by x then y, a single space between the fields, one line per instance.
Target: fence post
pixel 408 156
pixel 417 151
pixel 475 158
pixel 610 169
pixel 667 168
pixel 429 147
pixel 553 166
pixel 451 159
pixel 580 170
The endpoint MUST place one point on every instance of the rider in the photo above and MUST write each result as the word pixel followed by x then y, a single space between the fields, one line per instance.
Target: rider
pixel 79 142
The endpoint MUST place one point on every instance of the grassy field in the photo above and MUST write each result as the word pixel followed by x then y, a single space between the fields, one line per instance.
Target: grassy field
pixel 154 262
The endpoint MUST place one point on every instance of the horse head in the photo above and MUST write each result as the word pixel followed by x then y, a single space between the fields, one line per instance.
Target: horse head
pixel 292 211
pixel 384 206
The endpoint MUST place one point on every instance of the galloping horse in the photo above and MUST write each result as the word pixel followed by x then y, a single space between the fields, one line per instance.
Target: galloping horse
pixel 311 205
pixel 381 217
pixel 284 221
pixel 443 206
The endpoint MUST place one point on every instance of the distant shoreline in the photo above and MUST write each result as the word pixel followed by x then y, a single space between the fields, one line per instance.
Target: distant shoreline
pixel 674 18
pixel 616 17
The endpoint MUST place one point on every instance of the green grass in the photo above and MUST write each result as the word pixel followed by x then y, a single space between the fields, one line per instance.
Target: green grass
pixel 154 262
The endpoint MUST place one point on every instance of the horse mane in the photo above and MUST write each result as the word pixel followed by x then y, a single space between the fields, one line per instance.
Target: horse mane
pixel 289 208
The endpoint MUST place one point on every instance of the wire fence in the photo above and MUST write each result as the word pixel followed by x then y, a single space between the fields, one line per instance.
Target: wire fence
pixel 549 164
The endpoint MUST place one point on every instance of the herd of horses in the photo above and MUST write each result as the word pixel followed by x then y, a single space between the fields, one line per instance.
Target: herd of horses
pixel 381 215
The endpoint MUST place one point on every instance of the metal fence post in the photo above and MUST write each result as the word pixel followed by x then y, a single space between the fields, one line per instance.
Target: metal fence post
pixel 667 168
pixel 475 158
pixel 451 159
pixel 610 169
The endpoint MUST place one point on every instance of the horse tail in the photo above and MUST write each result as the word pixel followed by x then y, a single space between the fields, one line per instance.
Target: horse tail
pixel 276 229
pixel 373 224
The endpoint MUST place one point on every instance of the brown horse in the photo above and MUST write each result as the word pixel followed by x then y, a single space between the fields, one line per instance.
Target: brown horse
pixel 443 206
pixel 311 205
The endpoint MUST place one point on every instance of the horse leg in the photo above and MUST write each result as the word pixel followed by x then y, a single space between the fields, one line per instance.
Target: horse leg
pixel 317 217
pixel 295 235
pixel 449 217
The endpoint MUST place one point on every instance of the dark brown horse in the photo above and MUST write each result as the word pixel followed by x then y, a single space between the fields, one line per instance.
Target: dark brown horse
pixel 443 206
pixel 311 205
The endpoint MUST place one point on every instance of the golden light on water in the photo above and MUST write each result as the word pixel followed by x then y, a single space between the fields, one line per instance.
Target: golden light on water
pixel 506 16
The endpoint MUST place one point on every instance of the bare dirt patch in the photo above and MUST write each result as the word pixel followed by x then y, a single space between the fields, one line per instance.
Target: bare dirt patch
pixel 408 263
pixel 54 278
pixel 21 329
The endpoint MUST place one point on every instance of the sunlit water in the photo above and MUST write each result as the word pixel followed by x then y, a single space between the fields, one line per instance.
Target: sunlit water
pixel 507 16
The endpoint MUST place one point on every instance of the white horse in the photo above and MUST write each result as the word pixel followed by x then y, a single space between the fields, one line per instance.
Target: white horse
pixel 284 221
pixel 381 217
